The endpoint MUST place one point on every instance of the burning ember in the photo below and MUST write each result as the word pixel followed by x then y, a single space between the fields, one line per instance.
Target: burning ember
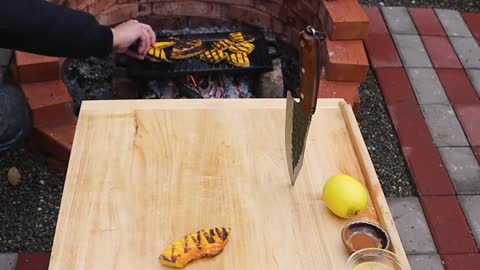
pixel 207 86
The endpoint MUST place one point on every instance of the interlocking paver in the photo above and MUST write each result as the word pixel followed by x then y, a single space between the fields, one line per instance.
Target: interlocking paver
pixel 428 171
pixel 463 169
pixel 426 22
pixel 461 261
pixel 427 86
pixel 33 261
pixel 469 116
pixel 425 262
pixel 376 24
pixel 411 225
pixel 443 125
pixel 474 75
pixel 8 261
pixel 382 52
pixel 476 151
pixel 457 86
pixel 448 225
pixel 467 50
pixel 411 51
pixel 398 21
pixel 441 52
pixel 453 23
pixel 473 22
pixel 471 206
pixel 5 56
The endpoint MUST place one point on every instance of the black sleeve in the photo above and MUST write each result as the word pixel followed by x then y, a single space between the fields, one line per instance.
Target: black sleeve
pixel 40 27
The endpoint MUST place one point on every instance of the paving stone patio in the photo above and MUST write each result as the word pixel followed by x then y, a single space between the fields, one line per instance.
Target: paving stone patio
pixel 441 57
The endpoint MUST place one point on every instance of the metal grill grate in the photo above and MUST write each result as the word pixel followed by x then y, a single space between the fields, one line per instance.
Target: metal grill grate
pixel 260 61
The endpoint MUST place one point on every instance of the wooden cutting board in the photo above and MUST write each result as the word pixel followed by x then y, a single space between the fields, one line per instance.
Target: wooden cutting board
pixel 144 173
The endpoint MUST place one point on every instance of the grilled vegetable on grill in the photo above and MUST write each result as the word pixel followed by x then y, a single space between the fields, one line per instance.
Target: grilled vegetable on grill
pixel 204 243
pixel 241 37
pixel 213 56
pixel 164 44
pixel 222 44
pixel 238 59
pixel 243 47
pixel 157 55
pixel 187 49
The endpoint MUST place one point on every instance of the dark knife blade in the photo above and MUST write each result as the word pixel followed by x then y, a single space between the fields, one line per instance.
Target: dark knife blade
pixel 299 114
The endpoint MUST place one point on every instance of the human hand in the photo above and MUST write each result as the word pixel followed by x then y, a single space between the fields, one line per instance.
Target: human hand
pixel 125 34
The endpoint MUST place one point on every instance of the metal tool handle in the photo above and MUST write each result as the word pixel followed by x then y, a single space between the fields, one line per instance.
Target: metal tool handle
pixel 310 66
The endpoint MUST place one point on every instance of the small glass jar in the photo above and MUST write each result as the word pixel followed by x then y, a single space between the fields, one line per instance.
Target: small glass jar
pixel 374 258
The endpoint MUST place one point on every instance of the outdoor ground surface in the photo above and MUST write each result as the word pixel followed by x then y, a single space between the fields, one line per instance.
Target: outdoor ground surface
pixel 460 5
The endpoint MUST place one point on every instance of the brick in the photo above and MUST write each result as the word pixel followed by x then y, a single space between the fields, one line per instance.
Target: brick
pixel 270 7
pixel 426 22
pixel 463 169
pixel 443 125
pixel 457 86
pixel 5 56
pixel 376 25
pixel 170 22
pixel 189 8
pixel 346 61
pixel 118 13
pixel 57 165
pixel 449 228
pixel 461 261
pixel 470 206
pixel 411 225
pixel 344 20
pixel 46 100
pixel 441 52
pixel 3 74
pixel 382 52
pixel 56 139
pixel 427 169
pixel 473 22
pixel 411 51
pixel 252 16
pixel 474 75
pixel 8 261
pixel 95 7
pixel 396 87
pixel 469 116
pixel 453 23
pixel 427 86
pixel 33 261
pixel 398 21
pixel 35 68
pixel 425 262
pixel 144 9
pixel 332 89
pixel 467 50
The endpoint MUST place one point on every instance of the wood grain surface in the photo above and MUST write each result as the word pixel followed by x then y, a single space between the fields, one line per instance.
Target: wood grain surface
pixel 144 173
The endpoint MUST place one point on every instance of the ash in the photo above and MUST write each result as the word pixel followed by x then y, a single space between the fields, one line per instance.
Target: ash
pixel 208 86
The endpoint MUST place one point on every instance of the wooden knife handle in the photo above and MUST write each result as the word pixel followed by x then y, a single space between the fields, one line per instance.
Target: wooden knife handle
pixel 310 69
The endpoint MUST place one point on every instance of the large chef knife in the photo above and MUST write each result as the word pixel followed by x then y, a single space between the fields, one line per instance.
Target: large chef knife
pixel 299 114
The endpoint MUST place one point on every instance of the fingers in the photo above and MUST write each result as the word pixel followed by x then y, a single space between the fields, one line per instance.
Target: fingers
pixel 151 33
pixel 135 55
pixel 147 42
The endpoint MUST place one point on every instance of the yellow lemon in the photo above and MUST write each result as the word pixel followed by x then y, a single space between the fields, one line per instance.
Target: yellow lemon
pixel 344 195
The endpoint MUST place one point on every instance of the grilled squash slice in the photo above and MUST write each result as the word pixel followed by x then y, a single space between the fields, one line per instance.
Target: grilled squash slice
pixel 157 55
pixel 243 47
pixel 238 59
pixel 187 49
pixel 213 56
pixel 241 37
pixel 204 243
pixel 223 44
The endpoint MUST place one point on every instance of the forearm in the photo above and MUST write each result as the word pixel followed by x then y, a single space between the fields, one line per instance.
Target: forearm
pixel 39 27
